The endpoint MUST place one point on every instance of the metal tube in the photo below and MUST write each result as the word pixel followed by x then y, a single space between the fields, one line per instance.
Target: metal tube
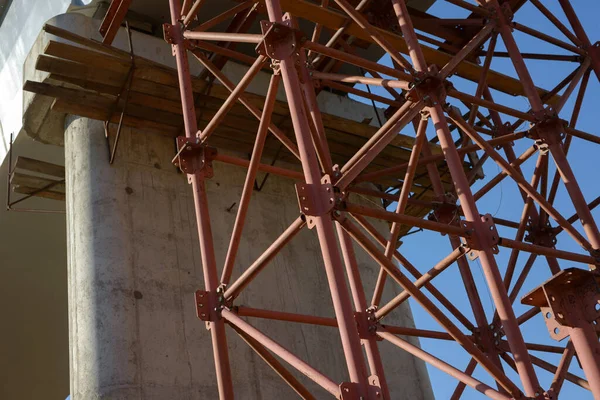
pixel 217 326
pixel 234 96
pixel 323 224
pixel 460 387
pixel 193 12
pixel 275 365
pixel 224 37
pixel 392 243
pixel 316 376
pixel 261 137
pixel 361 79
pixel 435 312
pixel 445 367
pixel 419 283
pixel 240 162
pixel 360 304
pixel 261 262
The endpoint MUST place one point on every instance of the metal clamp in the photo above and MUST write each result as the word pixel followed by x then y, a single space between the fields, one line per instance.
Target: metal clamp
pixel 280 40
pixel 480 240
pixel 316 200
pixel 193 156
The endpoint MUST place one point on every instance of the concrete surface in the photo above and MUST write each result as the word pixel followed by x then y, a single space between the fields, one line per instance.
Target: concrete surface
pixel 134 265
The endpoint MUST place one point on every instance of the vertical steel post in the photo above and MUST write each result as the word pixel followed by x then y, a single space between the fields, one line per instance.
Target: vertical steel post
pixel 323 224
pixel 463 189
pixel 209 266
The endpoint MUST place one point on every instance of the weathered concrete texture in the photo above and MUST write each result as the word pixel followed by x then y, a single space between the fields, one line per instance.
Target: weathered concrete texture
pixel 134 265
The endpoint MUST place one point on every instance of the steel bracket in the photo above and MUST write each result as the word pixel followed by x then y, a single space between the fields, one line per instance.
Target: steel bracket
pixel 487 238
pixel 316 200
pixel 545 236
pixel 567 300
pixel 193 156
pixel 351 391
pixel 203 305
pixel 428 87
pixel 366 324
pixel 280 40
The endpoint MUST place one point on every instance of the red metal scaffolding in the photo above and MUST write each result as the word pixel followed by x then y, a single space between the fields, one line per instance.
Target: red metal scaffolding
pixel 421 93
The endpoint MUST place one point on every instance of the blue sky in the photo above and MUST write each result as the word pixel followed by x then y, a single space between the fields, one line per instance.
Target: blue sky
pixel 426 248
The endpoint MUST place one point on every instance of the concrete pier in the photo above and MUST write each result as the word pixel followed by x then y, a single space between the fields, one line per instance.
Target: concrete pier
pixel 134 265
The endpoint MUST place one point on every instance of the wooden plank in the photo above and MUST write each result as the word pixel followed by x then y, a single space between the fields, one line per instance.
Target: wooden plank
pixel 165 76
pixel 47 194
pixel 36 182
pixel 66 107
pixel 42 167
pixel 334 20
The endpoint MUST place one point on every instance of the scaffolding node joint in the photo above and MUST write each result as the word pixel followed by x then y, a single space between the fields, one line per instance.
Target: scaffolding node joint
pixel 193 156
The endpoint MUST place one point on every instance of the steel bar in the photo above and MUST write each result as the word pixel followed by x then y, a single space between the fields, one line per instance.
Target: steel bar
pixel 224 36
pixel 261 262
pixel 481 85
pixel 513 173
pixel 324 226
pixel 217 326
pixel 473 44
pixel 552 18
pixel 240 162
pixel 261 137
pixel 491 105
pixel 374 34
pixel 445 367
pixel 468 6
pixel 460 387
pixel 275 365
pixel 488 262
pixel 370 229
pixel 360 304
pixel 547 38
pixel 205 26
pixel 361 79
pixel 421 333
pixel 253 110
pixel 439 157
pixel 234 96
pixel 404 219
pixel 419 283
pixel 527 315
pixel 361 93
pixel 522 276
pixel 492 183
pixel 193 12
pixel 572 123
pixel 523 225
pixel 356 60
pixel 581 35
pixel 366 154
pixel 562 369
pixel 392 242
pixel 547 251
pixel 316 376
pixel 439 316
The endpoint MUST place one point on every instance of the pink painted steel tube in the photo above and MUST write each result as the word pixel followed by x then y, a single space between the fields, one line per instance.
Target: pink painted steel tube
pixel 426 277
pixel 261 262
pixel 490 268
pixel 228 104
pixel 361 79
pixel 392 243
pixel 447 368
pixel 435 312
pixel 240 162
pixel 585 341
pixel 217 331
pixel 316 376
pixel 240 219
pixel 333 264
pixel 224 37
pixel 581 35
pixel 360 304
pixel 460 388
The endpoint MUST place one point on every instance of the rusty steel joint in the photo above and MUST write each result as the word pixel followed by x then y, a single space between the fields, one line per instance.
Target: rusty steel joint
pixel 193 156
pixel 280 41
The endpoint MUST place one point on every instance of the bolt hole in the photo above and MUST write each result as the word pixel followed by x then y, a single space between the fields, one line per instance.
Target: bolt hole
pixel 559 315
pixel 597 306
pixel 552 298
pixel 556 331
pixel 548 315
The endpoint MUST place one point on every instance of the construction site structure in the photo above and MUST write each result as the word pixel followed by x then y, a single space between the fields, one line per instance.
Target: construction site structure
pixel 235 195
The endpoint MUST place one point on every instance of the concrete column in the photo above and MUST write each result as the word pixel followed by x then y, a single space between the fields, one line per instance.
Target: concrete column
pixel 134 265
